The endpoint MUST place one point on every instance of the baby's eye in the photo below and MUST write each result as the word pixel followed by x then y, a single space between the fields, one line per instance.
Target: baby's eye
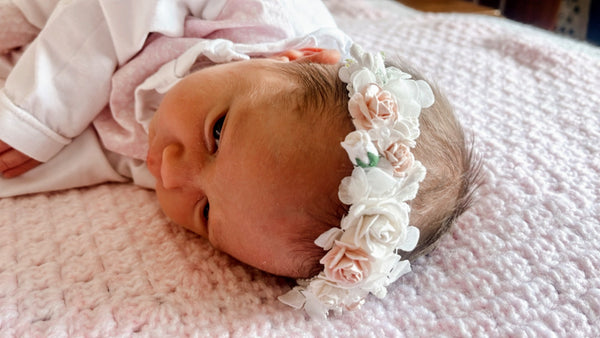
pixel 205 211
pixel 217 130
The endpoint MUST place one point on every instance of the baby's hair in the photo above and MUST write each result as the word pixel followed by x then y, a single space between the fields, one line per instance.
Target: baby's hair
pixel 322 98
pixel 452 170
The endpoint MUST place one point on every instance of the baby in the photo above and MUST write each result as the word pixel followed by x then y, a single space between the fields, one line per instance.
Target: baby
pixel 297 164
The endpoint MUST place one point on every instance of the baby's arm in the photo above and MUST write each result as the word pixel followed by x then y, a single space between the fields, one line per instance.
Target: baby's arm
pixel 62 81
pixel 57 87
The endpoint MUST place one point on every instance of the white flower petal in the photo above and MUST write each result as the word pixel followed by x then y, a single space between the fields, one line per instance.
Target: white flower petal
pixel 402 268
pixel 354 188
pixel 401 89
pixel 380 182
pixel 412 238
pixel 326 239
pixel 344 74
pixel 379 292
pixel 394 74
pixel 314 307
pixel 293 298
pixel 410 186
pixel 362 78
pixel 356 51
pixel 425 94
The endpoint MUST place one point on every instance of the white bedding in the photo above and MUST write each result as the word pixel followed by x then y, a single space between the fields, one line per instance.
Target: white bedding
pixel 524 261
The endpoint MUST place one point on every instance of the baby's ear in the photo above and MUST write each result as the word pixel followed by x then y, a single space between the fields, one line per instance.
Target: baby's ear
pixel 316 55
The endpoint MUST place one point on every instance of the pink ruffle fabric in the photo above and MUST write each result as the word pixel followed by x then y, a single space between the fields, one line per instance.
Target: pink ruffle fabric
pixel 240 21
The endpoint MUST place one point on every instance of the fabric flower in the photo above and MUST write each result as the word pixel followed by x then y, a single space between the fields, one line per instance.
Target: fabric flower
pixel 410 183
pixel 400 157
pixel 361 79
pixel 377 227
pixel 424 94
pixel 346 265
pixel 362 69
pixel 394 74
pixel 377 183
pixel 327 239
pixel 363 254
pixel 387 271
pixel 411 240
pixel 382 184
pixel 371 107
pixel 354 188
pixel 406 130
pixel 417 91
pixel 360 149
pixel 321 297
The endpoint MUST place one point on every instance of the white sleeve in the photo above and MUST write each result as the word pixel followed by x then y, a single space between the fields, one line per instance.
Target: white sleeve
pixel 62 81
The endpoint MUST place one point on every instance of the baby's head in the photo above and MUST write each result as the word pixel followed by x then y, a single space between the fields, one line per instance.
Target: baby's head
pixel 248 155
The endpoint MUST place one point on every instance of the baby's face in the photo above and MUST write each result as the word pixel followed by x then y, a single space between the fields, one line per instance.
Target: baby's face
pixel 235 164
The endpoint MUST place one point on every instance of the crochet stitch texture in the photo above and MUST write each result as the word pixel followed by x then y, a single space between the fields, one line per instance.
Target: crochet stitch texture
pixel 103 261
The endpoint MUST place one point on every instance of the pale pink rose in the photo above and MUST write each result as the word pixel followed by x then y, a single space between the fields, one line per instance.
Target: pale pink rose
pixel 372 106
pixel 401 158
pixel 346 265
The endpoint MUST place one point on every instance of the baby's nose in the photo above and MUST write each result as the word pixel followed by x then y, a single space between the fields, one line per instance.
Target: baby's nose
pixel 173 172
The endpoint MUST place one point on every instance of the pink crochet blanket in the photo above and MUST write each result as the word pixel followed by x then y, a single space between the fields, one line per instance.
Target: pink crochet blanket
pixel 524 261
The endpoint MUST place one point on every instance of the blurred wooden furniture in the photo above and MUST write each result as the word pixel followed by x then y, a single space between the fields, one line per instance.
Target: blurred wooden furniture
pixel 458 6
pixel 541 13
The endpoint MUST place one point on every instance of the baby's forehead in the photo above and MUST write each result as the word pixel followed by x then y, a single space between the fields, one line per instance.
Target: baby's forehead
pixel 287 86
pixel 275 83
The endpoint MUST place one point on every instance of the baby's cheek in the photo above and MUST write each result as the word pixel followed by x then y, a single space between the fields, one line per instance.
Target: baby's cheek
pixel 178 208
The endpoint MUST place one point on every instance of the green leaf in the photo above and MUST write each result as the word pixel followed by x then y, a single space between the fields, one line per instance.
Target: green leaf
pixel 373 161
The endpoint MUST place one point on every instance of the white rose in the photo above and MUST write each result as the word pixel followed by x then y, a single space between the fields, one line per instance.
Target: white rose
pixel 360 149
pixel 322 295
pixel 376 226
pixel 327 294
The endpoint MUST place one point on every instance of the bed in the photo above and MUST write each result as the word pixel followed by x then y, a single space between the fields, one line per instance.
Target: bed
pixel 523 261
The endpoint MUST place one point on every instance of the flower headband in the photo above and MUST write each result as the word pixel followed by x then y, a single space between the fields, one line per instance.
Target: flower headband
pixel 362 254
